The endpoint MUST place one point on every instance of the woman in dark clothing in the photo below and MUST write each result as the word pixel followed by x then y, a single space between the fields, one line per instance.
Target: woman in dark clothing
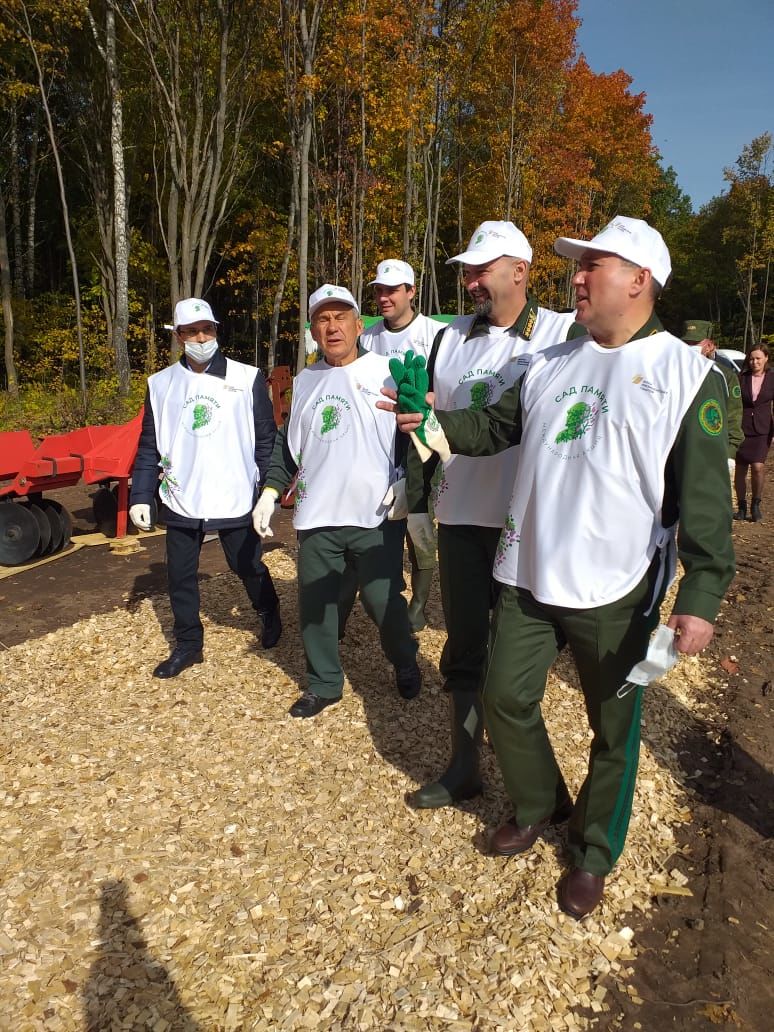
pixel 757 383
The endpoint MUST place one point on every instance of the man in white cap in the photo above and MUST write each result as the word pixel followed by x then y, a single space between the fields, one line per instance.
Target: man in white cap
pixel 342 449
pixel 622 435
pixel 473 361
pixel 402 329
pixel 207 434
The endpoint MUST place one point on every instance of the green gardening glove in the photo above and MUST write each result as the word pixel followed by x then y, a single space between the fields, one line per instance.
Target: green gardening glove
pixel 412 383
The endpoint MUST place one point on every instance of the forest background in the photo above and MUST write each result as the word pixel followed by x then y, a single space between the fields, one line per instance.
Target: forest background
pixel 248 151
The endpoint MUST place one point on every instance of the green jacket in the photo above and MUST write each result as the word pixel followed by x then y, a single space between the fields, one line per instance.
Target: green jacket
pixel 696 489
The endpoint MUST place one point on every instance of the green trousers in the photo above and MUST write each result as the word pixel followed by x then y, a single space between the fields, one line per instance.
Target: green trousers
pixel 377 556
pixel 606 642
pixel 468 592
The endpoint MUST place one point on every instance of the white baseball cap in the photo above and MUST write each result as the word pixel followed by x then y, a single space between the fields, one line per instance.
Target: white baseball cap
pixel 494 240
pixel 392 272
pixel 331 292
pixel 631 239
pixel 192 310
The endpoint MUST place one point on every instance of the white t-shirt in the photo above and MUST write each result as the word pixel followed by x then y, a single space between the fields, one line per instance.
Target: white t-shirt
pixel 343 445
pixel 205 434
pixel 584 521
pixel 472 372
pixel 418 337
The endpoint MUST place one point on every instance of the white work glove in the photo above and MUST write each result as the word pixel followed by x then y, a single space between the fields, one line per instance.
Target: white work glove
pixel 422 534
pixel 396 500
pixel 140 516
pixel 429 438
pixel 263 512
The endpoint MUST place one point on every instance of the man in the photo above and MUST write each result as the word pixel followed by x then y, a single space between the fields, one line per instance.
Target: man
pixel 473 361
pixel 400 330
pixel 342 448
pixel 207 433
pixel 622 434
pixel 697 333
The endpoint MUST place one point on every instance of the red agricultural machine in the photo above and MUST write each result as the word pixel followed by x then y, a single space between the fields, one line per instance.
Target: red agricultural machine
pixel 33 526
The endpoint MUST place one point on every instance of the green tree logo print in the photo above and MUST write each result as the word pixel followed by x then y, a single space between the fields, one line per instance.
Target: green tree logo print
pixel 331 417
pixel 202 414
pixel 168 482
pixel 480 395
pixel 580 418
pixel 508 538
pixel 300 482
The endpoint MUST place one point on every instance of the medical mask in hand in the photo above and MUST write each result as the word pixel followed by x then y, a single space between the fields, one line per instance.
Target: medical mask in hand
pixel 659 660
pixel 201 352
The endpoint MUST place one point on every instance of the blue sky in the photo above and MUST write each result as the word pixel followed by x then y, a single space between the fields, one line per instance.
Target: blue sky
pixel 707 67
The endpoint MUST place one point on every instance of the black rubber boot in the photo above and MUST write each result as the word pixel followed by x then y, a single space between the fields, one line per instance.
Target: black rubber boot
pixel 741 512
pixel 462 779
pixel 421 580
pixel 755 512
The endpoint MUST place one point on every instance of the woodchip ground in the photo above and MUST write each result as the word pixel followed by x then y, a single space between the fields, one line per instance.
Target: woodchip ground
pixel 183 855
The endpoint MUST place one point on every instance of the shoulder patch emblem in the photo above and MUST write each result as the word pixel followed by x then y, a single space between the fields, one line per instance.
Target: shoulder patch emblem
pixel 736 391
pixel 711 417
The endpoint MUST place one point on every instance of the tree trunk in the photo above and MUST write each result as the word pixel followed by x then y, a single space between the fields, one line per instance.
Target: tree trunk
pixel 121 237
pixel 309 31
pixel 18 251
pixel 765 298
pixel 65 211
pixel 283 276
pixel 6 291
pixel 32 196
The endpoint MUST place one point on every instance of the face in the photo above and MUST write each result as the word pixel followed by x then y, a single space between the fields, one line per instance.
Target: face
pixel 706 346
pixel 756 361
pixel 198 331
pixel 494 285
pixel 394 303
pixel 335 327
pixel 602 289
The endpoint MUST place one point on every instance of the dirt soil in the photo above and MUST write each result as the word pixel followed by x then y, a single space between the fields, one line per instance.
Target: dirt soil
pixel 706 959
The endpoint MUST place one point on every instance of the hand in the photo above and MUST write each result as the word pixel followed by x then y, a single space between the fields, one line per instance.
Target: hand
pixel 140 516
pixel 263 512
pixel 422 534
pixel 732 466
pixel 692 633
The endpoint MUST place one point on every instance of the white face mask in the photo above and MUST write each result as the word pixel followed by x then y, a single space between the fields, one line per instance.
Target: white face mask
pixel 659 660
pixel 201 352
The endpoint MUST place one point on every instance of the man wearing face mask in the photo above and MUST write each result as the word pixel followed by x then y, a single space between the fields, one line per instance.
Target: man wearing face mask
pixel 207 434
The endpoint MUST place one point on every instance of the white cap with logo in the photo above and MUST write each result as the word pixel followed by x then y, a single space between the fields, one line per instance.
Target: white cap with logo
pixel 392 272
pixel 192 310
pixel 331 292
pixel 493 240
pixel 631 239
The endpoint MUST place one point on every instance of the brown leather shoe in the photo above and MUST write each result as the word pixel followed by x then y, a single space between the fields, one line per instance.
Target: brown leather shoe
pixel 510 839
pixel 580 892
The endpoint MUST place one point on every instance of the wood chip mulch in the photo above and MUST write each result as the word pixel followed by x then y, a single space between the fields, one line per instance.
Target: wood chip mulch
pixel 183 855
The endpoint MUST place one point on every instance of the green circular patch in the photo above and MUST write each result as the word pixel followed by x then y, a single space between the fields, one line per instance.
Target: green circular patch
pixel 711 417
pixel 736 391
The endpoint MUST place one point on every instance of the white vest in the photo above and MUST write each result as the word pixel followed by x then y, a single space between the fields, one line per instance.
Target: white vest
pixel 205 434
pixel 343 445
pixel 418 337
pixel 473 374
pixel 584 521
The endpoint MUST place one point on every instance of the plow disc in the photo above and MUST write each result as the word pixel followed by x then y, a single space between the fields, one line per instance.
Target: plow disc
pixel 19 534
